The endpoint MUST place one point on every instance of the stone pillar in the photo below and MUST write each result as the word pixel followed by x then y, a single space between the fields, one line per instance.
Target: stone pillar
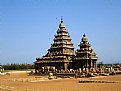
pixel 53 69
pixel 95 64
pixel 35 71
pixel 65 66
pixel 48 68
pixel 87 64
pixel 80 71
pixel 91 64
pixel 43 69
pixel 84 64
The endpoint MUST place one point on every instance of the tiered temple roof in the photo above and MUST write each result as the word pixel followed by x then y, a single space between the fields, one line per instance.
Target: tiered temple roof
pixel 85 52
pixel 62 49
pixel 85 56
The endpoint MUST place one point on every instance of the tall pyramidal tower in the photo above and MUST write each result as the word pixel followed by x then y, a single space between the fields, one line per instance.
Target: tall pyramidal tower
pixel 60 54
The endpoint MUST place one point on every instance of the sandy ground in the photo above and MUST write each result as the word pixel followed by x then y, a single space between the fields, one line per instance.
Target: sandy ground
pixel 20 81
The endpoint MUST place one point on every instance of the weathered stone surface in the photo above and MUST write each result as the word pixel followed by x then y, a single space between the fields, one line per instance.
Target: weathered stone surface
pixel 61 56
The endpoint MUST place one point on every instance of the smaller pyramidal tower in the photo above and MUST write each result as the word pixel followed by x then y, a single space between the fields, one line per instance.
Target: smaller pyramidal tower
pixel 85 56
pixel 59 55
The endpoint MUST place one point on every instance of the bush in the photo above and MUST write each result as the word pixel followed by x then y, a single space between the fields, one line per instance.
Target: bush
pixel 18 66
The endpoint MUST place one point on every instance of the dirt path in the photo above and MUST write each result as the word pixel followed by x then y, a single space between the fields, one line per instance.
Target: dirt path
pixel 23 82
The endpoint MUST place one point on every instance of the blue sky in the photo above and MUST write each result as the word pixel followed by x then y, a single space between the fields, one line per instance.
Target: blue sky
pixel 27 27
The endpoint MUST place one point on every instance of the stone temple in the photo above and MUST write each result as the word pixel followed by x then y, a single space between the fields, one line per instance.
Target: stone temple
pixel 62 56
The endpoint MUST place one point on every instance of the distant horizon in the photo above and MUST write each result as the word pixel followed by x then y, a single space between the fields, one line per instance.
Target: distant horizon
pixel 27 27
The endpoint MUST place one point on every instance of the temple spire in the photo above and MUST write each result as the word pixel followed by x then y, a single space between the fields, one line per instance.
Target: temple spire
pixel 61 19
pixel 84 39
pixel 84 35
pixel 62 23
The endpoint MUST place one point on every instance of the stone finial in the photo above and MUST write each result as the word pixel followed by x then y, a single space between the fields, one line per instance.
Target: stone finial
pixel 84 35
